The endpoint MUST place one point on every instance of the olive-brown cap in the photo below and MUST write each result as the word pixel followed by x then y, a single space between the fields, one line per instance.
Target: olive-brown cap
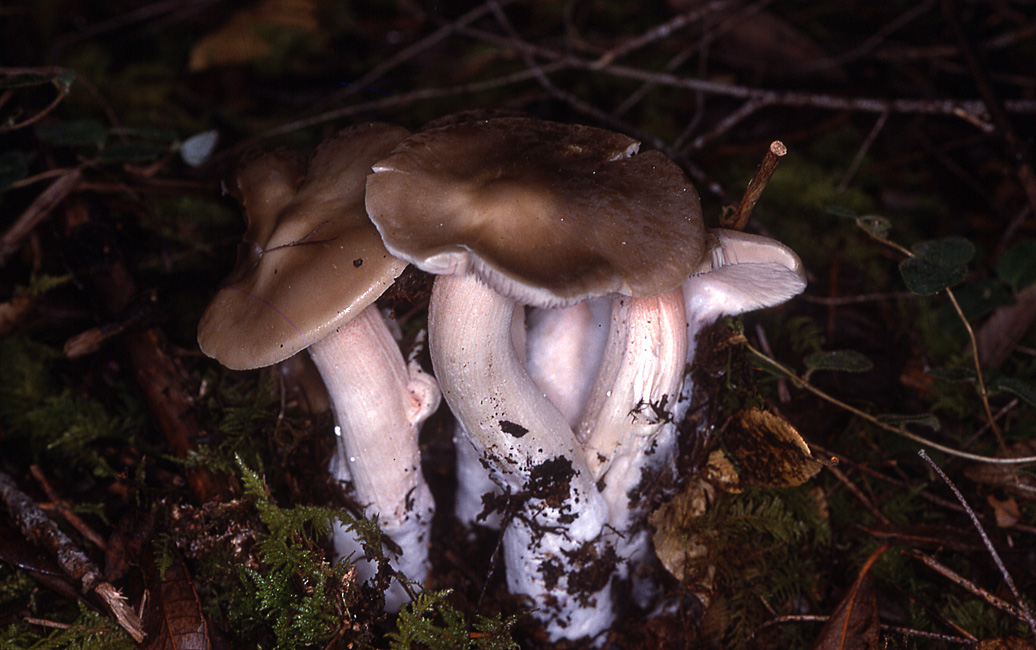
pixel 545 213
pixel 310 260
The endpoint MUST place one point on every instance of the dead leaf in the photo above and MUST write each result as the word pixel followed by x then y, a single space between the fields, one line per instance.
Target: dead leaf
pixel 762 41
pixel 1005 329
pixel 679 545
pixel 1006 643
pixel 175 620
pixel 14 311
pixel 1016 480
pixel 1006 512
pixel 719 471
pixel 767 451
pixel 247 35
pixel 855 624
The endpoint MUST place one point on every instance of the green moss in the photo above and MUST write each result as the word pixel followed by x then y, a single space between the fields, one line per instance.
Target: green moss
pixel 431 622
pixel 89 631
pixel 763 544
pixel 59 426
pixel 297 598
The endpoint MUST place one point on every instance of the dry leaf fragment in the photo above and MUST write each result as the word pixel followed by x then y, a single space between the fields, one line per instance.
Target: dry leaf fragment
pixel 680 547
pixel 1004 330
pixel 1015 479
pixel 855 624
pixel 1006 511
pixel 13 312
pixel 246 36
pixel 767 451
pixel 1006 643
pixel 175 619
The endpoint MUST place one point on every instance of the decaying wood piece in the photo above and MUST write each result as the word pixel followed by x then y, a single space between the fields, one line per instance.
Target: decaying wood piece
pixel 40 529
pixel 37 211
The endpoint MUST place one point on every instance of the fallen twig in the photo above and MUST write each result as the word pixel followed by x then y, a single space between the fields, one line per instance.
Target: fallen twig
pixel 900 431
pixel 37 212
pixel 773 156
pixel 963 582
pixel 41 530
pixel 985 539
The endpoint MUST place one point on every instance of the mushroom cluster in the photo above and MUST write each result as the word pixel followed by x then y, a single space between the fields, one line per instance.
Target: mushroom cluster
pixel 573 274
pixel 573 222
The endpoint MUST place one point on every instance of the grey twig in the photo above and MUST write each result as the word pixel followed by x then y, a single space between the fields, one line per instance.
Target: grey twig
pixel 985 540
pixel 37 527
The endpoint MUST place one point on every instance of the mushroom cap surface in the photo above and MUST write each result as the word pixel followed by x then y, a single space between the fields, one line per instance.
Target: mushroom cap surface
pixel 310 259
pixel 546 213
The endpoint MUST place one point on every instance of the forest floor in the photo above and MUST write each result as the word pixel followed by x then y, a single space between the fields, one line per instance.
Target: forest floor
pixel 202 494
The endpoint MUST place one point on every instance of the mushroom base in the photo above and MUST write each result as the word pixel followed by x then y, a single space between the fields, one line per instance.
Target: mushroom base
pixel 532 454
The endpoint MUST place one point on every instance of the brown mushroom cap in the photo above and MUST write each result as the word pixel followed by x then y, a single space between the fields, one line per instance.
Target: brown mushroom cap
pixel 546 213
pixel 309 260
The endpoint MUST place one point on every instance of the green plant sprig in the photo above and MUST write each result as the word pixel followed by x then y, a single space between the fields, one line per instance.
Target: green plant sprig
pixel 952 266
pixel 774 365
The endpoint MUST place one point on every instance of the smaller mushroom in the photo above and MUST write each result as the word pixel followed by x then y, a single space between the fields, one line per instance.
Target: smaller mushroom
pixel 309 269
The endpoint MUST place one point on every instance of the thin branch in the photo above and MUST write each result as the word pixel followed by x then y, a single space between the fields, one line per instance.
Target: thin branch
pixel 773 156
pixel 854 166
pixel 661 31
pixel 39 210
pixel 410 52
pixel 871 43
pixel 858 493
pixel 900 431
pixel 814 618
pixel 964 583
pixel 746 110
pixel 29 121
pixel 981 382
pixel 641 91
pixel 388 103
pixel 41 530
pixel 1016 147
pixel 985 539
pixel 62 507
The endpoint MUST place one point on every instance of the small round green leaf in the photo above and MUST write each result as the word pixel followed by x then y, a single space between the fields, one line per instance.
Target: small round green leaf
pixel 1017 387
pixel 14 166
pixel 874 225
pixel 937 264
pixel 77 133
pixel 841 360
pixel 1017 266
pixel 131 152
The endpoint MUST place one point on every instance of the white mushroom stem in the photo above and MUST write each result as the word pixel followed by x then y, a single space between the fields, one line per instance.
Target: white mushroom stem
pixel 473 473
pixel 640 396
pixel 379 405
pixel 553 543
pixel 630 421
pixel 565 347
